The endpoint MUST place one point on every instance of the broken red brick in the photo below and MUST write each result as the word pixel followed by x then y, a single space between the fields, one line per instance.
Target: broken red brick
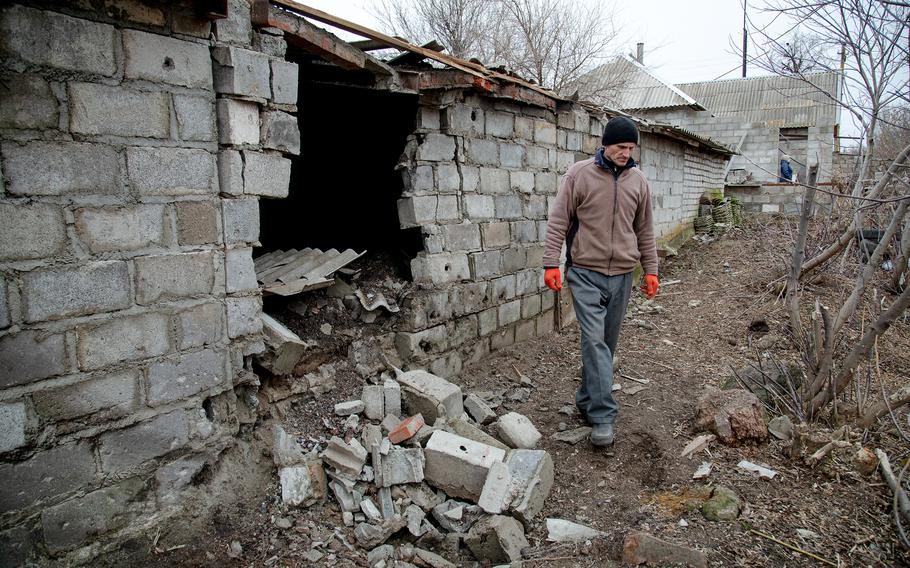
pixel 642 548
pixel 406 429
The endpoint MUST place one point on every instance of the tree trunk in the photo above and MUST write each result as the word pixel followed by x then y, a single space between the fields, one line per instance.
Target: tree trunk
pixel 799 253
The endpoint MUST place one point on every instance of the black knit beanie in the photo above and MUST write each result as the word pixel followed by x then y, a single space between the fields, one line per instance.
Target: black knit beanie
pixel 618 130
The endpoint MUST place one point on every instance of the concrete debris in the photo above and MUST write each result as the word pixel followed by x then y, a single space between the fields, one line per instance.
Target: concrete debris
pixel 283 347
pixel 285 449
pixel 348 518
pixel 497 490
pixel 370 510
pixel 386 503
pixel 497 538
pixel 371 435
pixel 517 431
pixel 519 395
pixel 326 329
pixel 573 436
pixel 379 554
pixel 642 548
pixel 632 390
pixel 371 536
pixel 349 407
pixel 352 424
pixel 406 429
pixel 415 517
pixel 391 392
pixel 373 399
pixel 467 430
pixel 457 465
pixel 559 530
pixel 347 458
pixel 532 476
pixel 456 516
pixel 401 466
pixel 429 559
pixel 703 471
pixel 478 409
pixel 344 496
pixel 697 444
pixel 303 484
pixel 322 381
pixel 371 301
pixel 429 395
pixel 424 496
pixel 762 471
pixel 235 550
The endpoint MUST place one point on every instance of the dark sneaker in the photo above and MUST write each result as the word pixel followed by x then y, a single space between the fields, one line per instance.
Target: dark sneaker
pixel 602 434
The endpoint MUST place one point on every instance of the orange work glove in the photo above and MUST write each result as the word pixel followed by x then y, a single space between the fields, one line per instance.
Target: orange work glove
pixel 551 279
pixel 649 288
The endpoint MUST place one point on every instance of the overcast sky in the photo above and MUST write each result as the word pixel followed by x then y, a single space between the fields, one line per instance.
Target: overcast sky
pixel 685 41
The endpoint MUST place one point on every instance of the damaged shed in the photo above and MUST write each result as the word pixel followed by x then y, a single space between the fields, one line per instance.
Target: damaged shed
pixel 167 167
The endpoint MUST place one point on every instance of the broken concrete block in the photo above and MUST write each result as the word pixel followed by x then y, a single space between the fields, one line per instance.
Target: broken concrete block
pixel 431 559
pixel 642 548
pixel 348 518
pixel 497 490
pixel 424 496
pixel 559 530
pixel 467 430
pixel 457 465
pixel 384 553
pixel 401 466
pixel 349 407
pixel 497 538
pixel 373 402
pixel 406 429
pixel 371 435
pixel 517 431
pixel 479 410
pixel 390 422
pixel 415 516
pixel 347 458
pixel 391 392
pixel 456 516
pixel 386 504
pixel 344 496
pixel 371 536
pixel 532 479
pixel 370 510
pixel 303 484
pixel 283 347
pixel 285 449
pixel 430 395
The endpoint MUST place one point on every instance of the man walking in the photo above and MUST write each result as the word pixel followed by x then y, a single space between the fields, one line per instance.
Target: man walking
pixel 603 213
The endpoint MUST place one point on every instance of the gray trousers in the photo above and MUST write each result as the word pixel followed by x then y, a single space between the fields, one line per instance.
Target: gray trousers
pixel 600 304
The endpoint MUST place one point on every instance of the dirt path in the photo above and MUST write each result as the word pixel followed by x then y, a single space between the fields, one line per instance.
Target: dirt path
pixel 688 338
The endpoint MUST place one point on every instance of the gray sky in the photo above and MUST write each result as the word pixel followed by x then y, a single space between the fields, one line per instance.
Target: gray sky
pixel 685 41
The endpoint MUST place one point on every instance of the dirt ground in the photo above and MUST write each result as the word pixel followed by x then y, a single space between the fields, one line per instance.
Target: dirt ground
pixel 690 337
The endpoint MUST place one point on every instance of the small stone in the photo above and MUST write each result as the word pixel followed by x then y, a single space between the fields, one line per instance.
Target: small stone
pixel 349 407
pixel 573 436
pixel 517 431
pixel 723 505
pixel 284 523
pixel 560 530
pixel 370 510
pixel 235 550
pixel 781 427
pixel 326 329
pixel 348 518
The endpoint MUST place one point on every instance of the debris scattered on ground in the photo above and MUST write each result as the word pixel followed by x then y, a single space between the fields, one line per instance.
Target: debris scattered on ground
pixel 762 471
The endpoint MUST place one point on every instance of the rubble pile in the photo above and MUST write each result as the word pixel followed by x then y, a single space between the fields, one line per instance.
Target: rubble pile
pixel 424 473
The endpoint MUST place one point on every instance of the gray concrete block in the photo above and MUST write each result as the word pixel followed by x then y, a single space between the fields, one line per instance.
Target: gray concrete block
pixel 200 325
pixel 428 118
pixel 495 234
pixel 54 293
pixel 544 132
pixel 500 124
pixel 537 157
pixel 171 171
pixel 31 230
pixel 401 466
pixel 279 132
pixel 197 223
pixel 508 207
pixel 174 276
pixel 429 395
pixel 525 330
pixel 515 259
pixel 266 174
pixel 486 264
pixel 129 338
pixel 173 478
pixel 238 122
pixel 479 207
pixel 470 178
pixel 230 172
pixel 494 180
pixel 436 147
pixel 115 394
pixel 111 229
pixel 241 220
pixel 457 465
pixel 51 472
pixel 127 448
pixel 373 402
pixel 241 72
pixel 521 181
pixel 57 168
pixel 517 431
pixel 420 344
pixel 154 57
pixel 564 161
pixel 530 306
pixel 12 426
pixel 441 268
pixel 504 288
pixel 419 179
pixel 391 394
pixel 54 40
pixel 536 207
pixel 447 208
pixel 239 270
pixel 120 111
pixel 195 117
pixel 284 82
pixel 348 458
pixel 449 179
pixel 186 375
pixel 546 183
pixel 483 152
pixel 31 355
pixel 479 410
pixel 237 27
pixel 497 539
pixel 4 305
pixel 524 128
pixel 244 316
pixel 531 473
pixel 27 102
pixel 510 312
pixel 462 119
pixel 461 237
pixel 524 231
pixel 511 155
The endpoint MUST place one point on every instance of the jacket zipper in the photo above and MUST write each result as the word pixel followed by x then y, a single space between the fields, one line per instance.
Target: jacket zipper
pixel 613 224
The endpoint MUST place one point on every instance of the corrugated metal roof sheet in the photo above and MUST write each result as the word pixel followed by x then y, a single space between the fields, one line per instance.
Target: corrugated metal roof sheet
pixel 626 84
pixel 774 100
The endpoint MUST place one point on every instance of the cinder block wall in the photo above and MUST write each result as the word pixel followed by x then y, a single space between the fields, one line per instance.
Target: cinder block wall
pixel 135 143
pixel 480 175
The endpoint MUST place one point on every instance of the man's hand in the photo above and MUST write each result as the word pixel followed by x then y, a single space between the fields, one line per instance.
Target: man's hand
pixel 649 288
pixel 551 279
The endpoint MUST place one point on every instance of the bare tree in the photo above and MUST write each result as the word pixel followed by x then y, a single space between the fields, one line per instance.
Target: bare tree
pixel 552 42
pixel 870 38
pixel 799 54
